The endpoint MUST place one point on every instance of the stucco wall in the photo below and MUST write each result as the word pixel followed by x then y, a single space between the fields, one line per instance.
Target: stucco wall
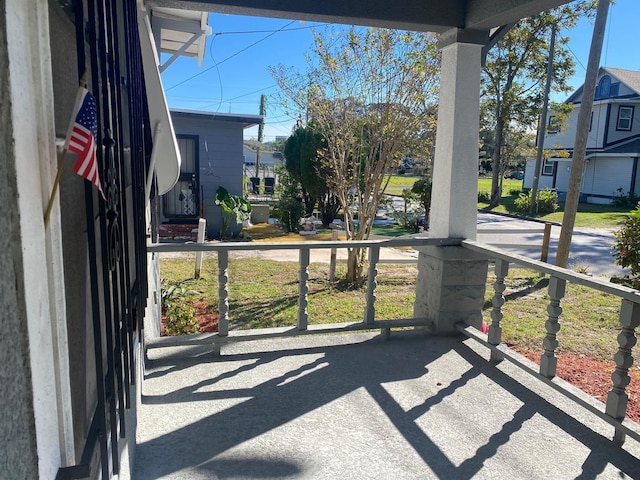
pixel 18 455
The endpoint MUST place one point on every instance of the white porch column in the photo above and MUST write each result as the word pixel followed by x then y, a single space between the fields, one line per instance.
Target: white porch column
pixel 451 280
pixel 455 171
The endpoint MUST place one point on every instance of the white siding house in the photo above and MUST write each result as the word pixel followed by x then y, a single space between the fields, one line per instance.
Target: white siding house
pixel 613 144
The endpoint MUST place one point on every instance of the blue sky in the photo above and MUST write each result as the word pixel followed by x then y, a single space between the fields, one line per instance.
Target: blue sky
pixel 235 71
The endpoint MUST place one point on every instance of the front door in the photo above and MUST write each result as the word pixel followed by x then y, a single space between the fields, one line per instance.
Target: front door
pixel 182 203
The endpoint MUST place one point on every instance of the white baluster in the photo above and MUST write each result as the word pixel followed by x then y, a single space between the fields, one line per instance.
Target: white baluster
pixel 372 283
pixel 494 335
pixel 303 289
pixel 223 293
pixel 617 398
pixel 549 361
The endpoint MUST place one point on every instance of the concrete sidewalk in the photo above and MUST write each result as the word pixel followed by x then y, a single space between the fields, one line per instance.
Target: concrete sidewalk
pixel 356 407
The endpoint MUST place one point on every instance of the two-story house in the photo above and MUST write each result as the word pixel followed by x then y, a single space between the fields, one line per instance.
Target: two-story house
pixel 613 146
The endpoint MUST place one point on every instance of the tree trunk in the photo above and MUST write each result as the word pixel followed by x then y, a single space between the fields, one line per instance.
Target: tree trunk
pixel 355 266
pixel 496 185
pixel 542 125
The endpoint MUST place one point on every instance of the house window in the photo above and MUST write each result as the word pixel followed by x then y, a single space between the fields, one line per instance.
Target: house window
pixel 547 167
pixel 553 126
pixel 625 117
pixel 591 121
pixel 603 89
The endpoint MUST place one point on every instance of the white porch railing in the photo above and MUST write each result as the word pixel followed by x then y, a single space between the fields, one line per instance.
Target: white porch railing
pixel 629 316
pixel 302 327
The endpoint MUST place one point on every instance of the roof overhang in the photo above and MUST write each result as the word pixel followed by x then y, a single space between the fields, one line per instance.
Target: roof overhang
pixel 419 15
pixel 246 120
pixel 180 33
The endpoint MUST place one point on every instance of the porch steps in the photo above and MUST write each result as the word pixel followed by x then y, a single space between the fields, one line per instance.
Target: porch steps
pixel 187 231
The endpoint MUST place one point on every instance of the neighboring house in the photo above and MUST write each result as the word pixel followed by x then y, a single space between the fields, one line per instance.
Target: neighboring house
pixel 212 155
pixel 613 146
pixel 269 160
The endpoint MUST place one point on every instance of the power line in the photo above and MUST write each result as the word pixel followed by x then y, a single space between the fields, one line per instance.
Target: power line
pixel 576 57
pixel 251 93
pixel 274 31
pixel 230 56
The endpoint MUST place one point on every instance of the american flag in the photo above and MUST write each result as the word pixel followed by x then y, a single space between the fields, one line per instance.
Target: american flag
pixel 82 138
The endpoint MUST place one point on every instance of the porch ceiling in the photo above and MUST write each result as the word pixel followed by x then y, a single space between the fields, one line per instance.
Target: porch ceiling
pixel 420 15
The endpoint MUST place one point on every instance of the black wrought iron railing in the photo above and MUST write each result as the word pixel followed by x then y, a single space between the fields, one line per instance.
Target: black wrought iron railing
pixel 108 46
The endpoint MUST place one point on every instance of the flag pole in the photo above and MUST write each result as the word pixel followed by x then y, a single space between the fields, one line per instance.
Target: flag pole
pixel 63 156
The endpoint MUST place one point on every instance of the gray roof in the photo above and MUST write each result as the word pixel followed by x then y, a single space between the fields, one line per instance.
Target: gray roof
pixel 248 120
pixel 631 78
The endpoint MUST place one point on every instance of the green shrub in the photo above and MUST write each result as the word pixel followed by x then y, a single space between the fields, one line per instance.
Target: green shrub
pixel 289 211
pixel 180 319
pixel 546 201
pixel 179 316
pixel 627 244
pixel 623 200
pixel 484 197
pixel 523 202
pixel 515 191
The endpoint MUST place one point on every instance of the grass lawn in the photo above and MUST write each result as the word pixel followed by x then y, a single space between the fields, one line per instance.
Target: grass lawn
pixel 264 293
pixel 398 183
pixel 588 215
pixel 589 319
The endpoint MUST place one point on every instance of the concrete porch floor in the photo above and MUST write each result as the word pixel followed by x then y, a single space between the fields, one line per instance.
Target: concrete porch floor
pixel 357 407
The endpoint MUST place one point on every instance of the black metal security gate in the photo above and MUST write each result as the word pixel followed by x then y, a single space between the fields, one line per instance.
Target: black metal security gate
pixel 108 46
pixel 181 203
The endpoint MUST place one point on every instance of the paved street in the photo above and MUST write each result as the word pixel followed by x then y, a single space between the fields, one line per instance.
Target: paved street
pixel 589 247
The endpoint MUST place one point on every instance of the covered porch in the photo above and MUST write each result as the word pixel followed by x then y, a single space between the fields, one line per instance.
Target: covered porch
pixel 340 404
pixel 357 406
pixel 382 398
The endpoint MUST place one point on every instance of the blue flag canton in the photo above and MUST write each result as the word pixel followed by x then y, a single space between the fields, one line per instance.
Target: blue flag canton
pixel 88 115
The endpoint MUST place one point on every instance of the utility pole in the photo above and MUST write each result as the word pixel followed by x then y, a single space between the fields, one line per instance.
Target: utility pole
pixel 582 132
pixel 263 112
pixel 542 126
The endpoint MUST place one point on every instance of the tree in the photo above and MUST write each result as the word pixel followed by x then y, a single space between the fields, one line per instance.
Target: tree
pixel 627 246
pixel 512 87
pixel 305 166
pixel 369 98
pixel 422 190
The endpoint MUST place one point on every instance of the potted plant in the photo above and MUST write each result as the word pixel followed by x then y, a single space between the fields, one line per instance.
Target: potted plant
pixel 234 207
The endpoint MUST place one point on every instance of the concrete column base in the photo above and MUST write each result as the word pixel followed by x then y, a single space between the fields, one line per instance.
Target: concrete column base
pixel 450 287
